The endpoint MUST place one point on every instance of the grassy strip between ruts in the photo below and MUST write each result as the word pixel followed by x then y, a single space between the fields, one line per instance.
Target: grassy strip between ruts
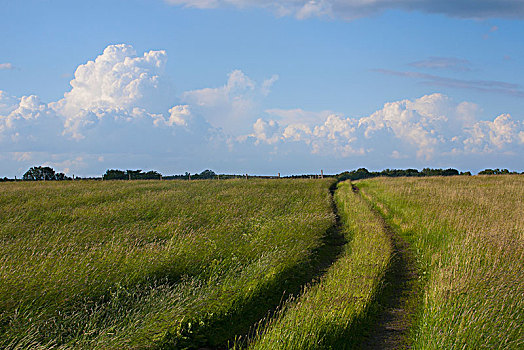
pixel 332 314
pixel 468 236
pixel 152 264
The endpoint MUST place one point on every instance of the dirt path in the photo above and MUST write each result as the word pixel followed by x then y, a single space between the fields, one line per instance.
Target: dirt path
pixel 398 298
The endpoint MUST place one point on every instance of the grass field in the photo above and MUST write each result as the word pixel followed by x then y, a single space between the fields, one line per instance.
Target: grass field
pixel 141 264
pixel 468 236
pixel 261 264
pixel 332 314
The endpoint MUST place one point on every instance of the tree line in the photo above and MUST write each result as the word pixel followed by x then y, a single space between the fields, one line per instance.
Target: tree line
pixel 498 172
pixel 45 173
pixel 363 173
pixel 115 174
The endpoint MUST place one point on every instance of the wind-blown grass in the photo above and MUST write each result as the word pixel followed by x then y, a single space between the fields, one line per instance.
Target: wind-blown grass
pixel 468 236
pixel 330 314
pixel 150 264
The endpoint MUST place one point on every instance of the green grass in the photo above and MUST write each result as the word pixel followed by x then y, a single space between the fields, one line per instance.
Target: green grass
pixel 152 264
pixel 332 313
pixel 468 236
pixel 184 265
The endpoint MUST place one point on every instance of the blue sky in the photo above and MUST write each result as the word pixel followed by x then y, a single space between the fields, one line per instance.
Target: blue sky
pixel 261 86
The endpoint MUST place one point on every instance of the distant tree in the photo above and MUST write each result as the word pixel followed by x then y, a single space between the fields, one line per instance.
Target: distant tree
pixel 497 172
pixel 207 174
pixel 133 174
pixel 361 173
pixel 439 172
pixel 61 177
pixel 115 174
pixel 151 175
pixel 39 173
pixel 487 172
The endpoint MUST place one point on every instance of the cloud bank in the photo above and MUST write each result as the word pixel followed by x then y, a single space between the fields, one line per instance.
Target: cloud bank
pixel 120 113
pixel 352 9
pixel 429 128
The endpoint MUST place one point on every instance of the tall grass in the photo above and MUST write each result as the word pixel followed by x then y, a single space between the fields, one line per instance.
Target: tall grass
pixel 331 314
pixel 150 264
pixel 468 235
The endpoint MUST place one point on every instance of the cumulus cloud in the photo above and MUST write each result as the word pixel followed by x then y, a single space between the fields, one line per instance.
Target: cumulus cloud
pixel 115 115
pixel 425 128
pixel 351 9
pixel 322 132
pixel 496 135
pixel 26 121
pixel 118 104
pixel 266 131
pixel 232 106
pixel 115 85
pixel 336 134
pixel 179 115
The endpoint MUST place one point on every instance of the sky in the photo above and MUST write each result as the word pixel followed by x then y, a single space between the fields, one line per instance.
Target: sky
pixel 261 87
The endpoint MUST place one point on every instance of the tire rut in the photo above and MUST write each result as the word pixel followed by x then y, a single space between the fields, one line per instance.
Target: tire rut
pixel 320 261
pixel 398 299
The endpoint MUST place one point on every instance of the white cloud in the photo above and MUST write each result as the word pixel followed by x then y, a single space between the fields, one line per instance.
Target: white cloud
pixel 179 115
pixel 26 121
pixel 298 116
pixel 298 132
pixel 232 107
pixel 6 66
pixel 117 116
pixel 7 103
pixel 113 85
pixel 351 9
pixel 268 132
pixel 414 122
pixel 496 135
pixel 117 104
pixel 314 8
pixel 425 129
pixel 334 136
pixel 268 83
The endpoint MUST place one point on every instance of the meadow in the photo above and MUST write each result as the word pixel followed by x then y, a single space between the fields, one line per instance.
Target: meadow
pixel 468 237
pixel 333 314
pixel 262 264
pixel 152 263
